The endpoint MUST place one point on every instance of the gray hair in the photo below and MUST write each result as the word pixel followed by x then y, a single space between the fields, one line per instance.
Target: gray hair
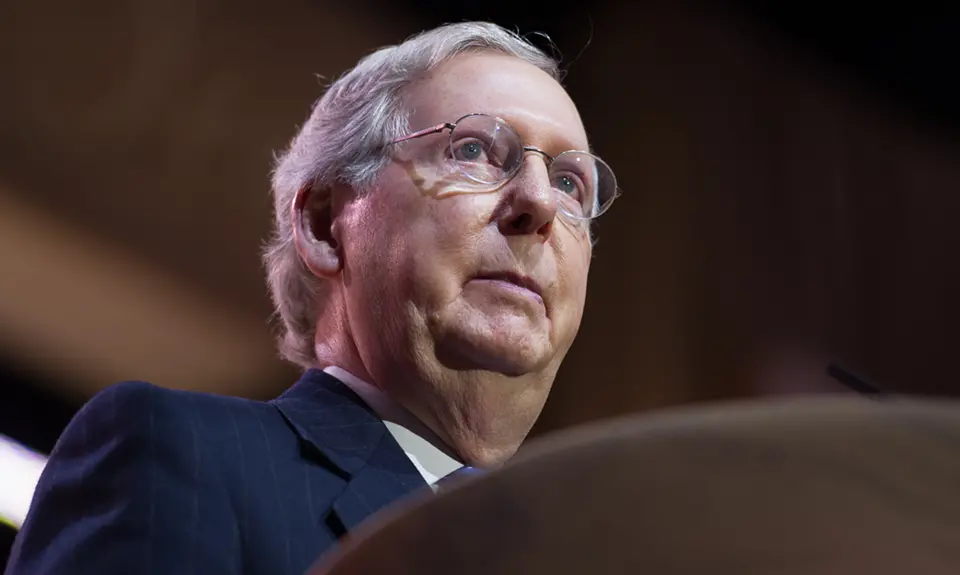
pixel 342 142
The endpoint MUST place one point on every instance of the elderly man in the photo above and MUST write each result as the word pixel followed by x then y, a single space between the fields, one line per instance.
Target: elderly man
pixel 430 268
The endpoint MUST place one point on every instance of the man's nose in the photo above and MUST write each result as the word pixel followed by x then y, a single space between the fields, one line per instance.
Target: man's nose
pixel 531 206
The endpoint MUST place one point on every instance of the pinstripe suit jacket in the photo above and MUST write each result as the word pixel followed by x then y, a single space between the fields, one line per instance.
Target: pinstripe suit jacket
pixel 149 480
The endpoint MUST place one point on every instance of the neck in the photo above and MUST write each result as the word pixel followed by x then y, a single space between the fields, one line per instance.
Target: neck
pixel 487 415
pixel 482 416
pixel 334 344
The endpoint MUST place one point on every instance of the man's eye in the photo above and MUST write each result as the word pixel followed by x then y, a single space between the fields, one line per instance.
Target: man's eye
pixel 569 185
pixel 469 151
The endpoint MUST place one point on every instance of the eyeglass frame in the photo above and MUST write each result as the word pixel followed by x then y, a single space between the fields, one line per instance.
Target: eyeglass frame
pixel 549 159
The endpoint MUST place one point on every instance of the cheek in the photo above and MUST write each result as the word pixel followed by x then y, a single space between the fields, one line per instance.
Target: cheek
pixel 426 237
pixel 461 220
pixel 440 248
pixel 573 252
pixel 447 233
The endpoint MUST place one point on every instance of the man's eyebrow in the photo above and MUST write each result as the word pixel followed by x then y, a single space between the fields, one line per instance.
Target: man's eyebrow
pixel 554 137
pixel 570 145
pixel 558 143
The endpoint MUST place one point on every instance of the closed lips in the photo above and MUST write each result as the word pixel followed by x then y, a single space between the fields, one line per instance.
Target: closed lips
pixel 513 278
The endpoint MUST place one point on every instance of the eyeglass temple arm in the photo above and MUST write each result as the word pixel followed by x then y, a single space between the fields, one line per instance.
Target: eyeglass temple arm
pixel 426 132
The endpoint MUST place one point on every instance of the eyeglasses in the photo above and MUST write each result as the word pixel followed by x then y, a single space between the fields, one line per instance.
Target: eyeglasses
pixel 487 150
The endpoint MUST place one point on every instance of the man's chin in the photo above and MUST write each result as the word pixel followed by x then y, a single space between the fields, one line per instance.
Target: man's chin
pixel 513 364
pixel 512 358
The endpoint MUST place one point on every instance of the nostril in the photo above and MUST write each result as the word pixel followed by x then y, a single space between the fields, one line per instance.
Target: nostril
pixel 521 222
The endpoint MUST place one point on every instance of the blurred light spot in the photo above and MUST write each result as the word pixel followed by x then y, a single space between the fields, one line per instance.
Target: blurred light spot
pixel 20 470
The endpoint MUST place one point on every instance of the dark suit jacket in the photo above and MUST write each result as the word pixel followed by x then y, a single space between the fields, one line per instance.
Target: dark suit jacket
pixel 149 480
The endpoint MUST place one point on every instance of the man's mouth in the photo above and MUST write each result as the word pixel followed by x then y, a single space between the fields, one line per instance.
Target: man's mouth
pixel 523 282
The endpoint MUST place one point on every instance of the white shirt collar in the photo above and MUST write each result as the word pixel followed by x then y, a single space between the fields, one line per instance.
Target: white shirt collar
pixel 429 455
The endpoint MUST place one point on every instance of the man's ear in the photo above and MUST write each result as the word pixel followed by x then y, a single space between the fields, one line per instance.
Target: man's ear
pixel 312 215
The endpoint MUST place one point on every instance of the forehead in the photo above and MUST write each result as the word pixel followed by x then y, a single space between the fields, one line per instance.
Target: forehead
pixel 499 85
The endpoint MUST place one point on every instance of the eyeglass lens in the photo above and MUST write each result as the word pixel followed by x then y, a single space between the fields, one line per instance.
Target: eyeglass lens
pixel 488 151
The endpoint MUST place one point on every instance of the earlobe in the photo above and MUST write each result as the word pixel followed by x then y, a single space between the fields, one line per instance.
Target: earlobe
pixel 312 232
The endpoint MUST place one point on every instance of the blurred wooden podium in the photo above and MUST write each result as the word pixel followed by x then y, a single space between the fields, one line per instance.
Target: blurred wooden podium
pixel 811 486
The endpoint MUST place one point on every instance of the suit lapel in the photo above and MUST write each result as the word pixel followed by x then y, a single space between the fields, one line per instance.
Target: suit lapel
pixel 335 424
pixel 388 476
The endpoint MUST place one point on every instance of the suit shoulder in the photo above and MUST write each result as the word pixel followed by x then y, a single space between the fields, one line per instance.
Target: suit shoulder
pixel 140 410
pixel 131 471
pixel 130 404
pixel 136 397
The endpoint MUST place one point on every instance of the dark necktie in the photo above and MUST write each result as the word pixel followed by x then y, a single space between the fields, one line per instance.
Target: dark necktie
pixel 451 480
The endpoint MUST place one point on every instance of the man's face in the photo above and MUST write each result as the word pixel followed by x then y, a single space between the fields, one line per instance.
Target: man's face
pixel 445 278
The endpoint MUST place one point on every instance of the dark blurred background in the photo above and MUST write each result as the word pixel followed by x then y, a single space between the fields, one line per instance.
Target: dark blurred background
pixel 790 171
